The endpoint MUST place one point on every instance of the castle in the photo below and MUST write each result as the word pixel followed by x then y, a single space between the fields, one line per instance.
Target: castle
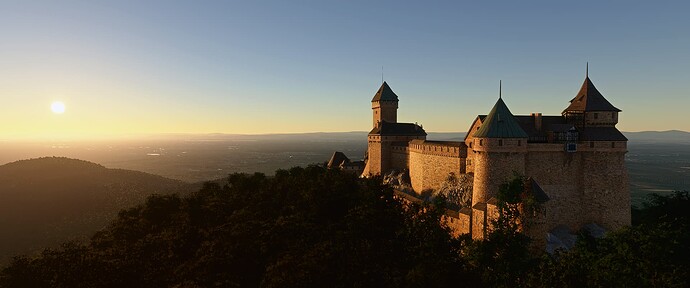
pixel 574 161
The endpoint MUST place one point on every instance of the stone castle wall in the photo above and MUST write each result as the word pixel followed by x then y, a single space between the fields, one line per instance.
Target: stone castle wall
pixel 606 191
pixel 374 165
pixel 587 186
pixel 559 174
pixel 431 163
pixel 399 157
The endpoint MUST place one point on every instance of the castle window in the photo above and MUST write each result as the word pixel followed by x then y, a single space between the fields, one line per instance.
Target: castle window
pixel 481 142
pixel 591 144
pixel 596 115
pixel 519 142
pixel 613 144
pixel 500 142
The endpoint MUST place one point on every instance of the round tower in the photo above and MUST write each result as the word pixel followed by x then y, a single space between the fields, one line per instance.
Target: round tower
pixel 500 148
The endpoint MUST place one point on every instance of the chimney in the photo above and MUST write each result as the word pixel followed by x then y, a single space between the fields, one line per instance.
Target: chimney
pixel 537 120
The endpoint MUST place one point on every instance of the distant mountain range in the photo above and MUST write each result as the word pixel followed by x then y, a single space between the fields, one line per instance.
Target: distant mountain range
pixel 659 137
pixel 670 136
pixel 47 201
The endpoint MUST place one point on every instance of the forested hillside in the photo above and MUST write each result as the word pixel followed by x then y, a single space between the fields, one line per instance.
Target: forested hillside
pixel 46 201
pixel 311 227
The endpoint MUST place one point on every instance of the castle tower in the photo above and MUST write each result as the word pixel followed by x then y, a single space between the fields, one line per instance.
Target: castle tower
pixel 590 109
pixel 385 105
pixel 386 132
pixel 604 185
pixel 500 148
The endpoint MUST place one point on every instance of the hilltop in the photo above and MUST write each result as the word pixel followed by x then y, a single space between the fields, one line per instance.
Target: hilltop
pixel 317 227
pixel 46 201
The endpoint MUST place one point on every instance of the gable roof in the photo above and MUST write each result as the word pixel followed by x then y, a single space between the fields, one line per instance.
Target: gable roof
pixel 338 159
pixel 469 133
pixel 398 129
pixel 385 93
pixel 500 123
pixel 590 99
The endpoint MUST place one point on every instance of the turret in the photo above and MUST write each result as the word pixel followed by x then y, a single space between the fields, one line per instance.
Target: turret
pixel 590 109
pixel 386 131
pixel 500 148
pixel 385 105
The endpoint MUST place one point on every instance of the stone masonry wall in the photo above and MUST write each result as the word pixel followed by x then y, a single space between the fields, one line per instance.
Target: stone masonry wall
pixel 469 142
pixel 373 166
pixel 399 157
pixel 605 189
pixel 385 111
pixel 494 164
pixel 559 174
pixel 478 221
pixel 590 185
pixel 431 164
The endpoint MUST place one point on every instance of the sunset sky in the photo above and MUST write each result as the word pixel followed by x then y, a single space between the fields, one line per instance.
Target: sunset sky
pixel 137 67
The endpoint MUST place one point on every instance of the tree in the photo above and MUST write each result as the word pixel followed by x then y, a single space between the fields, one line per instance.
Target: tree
pixel 303 227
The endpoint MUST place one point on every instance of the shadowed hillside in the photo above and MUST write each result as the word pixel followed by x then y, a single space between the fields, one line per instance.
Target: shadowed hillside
pixel 314 227
pixel 46 201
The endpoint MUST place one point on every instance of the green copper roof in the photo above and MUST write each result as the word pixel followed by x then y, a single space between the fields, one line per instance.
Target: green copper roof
pixel 500 123
pixel 385 93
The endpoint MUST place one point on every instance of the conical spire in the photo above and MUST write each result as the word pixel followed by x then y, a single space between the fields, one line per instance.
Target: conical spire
pixel 500 123
pixel 385 93
pixel 589 99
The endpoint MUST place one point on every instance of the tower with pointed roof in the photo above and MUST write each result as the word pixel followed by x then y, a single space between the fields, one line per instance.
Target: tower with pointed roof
pixel 590 109
pixel 604 182
pixel 388 136
pixel 385 105
pixel 499 148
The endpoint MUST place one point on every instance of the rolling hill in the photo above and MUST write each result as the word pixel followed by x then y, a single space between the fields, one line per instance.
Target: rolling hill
pixel 47 201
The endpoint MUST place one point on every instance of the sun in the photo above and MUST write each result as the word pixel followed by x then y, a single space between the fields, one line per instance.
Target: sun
pixel 57 107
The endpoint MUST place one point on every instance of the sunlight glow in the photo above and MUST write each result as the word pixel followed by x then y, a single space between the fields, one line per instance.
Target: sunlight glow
pixel 57 107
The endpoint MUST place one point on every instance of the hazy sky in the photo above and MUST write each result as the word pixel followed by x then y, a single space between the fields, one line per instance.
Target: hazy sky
pixel 297 66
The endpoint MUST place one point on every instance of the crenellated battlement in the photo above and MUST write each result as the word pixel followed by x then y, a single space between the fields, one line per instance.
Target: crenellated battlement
pixel 439 148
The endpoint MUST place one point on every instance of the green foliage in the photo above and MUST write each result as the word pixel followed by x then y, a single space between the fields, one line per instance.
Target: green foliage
pixel 504 258
pixel 669 209
pixel 652 253
pixel 47 201
pixel 305 227
pixel 313 227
